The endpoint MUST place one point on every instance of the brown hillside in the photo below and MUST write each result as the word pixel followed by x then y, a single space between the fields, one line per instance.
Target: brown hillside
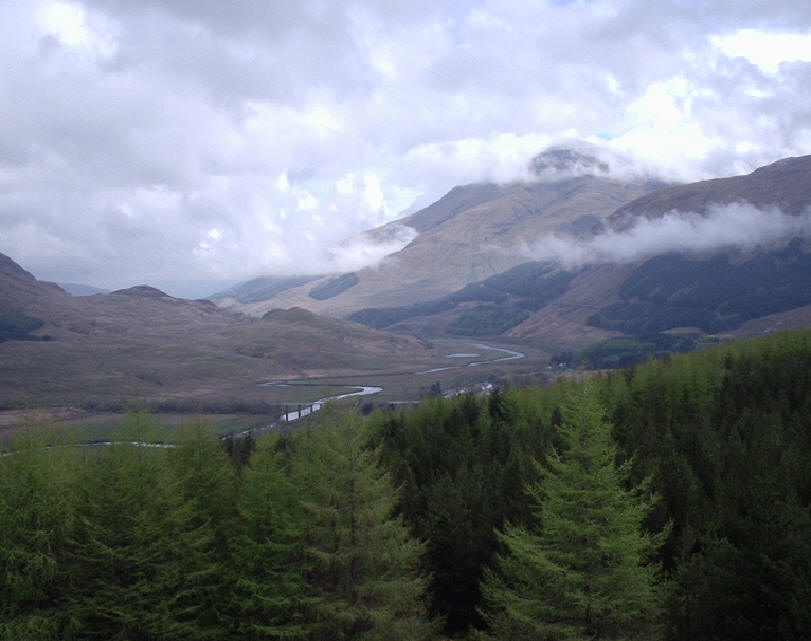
pixel 785 184
pixel 140 342
pixel 471 233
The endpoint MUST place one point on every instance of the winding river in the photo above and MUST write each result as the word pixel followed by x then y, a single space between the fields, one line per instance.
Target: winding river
pixel 511 356
pixel 310 408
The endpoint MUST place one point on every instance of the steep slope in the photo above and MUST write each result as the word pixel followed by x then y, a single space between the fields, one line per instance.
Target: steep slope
pixel 784 184
pixel 139 342
pixel 721 289
pixel 473 232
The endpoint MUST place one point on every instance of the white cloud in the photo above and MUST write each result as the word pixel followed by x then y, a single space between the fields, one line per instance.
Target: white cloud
pixel 764 48
pixel 76 28
pixel 737 225
pixel 373 194
pixel 132 128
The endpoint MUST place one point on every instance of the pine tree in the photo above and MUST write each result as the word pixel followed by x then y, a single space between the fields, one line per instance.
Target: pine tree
pixel 198 575
pixel 117 553
pixel 581 572
pixel 461 465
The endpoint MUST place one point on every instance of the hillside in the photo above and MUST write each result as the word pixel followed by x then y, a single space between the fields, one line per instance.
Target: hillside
pixel 139 342
pixel 473 232
pixel 724 290
pixel 718 289
pixel 783 184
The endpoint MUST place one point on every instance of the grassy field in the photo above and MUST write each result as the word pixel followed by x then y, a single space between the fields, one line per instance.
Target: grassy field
pixel 236 406
pixel 83 427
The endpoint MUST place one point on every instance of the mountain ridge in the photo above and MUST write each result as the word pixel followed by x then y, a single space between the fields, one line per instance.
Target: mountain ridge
pixel 596 305
pixel 140 343
pixel 473 232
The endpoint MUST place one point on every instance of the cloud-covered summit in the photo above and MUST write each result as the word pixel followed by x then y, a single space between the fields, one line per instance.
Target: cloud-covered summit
pixel 574 158
pixel 565 161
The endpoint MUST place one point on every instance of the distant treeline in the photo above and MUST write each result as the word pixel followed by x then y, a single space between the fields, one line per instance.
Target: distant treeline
pixel 626 351
pixel 670 500
pixel 193 405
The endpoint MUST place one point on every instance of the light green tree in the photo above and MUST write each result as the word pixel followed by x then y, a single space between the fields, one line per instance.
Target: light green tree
pixel 270 594
pixel 36 522
pixel 582 572
pixel 119 547
pixel 199 573
pixel 361 563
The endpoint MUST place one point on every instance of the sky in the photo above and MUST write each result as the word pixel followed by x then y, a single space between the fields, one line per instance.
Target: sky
pixel 191 144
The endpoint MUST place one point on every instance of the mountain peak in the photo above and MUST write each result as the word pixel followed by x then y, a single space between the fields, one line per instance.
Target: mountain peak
pixel 141 291
pixel 565 161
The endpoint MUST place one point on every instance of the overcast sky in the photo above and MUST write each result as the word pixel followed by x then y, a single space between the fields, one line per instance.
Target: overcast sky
pixel 191 143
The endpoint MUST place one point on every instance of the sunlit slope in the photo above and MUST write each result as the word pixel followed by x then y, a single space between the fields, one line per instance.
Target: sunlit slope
pixel 719 257
pixel 471 233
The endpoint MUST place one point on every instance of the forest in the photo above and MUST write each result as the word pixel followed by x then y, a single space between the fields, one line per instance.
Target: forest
pixel 673 290
pixel 669 500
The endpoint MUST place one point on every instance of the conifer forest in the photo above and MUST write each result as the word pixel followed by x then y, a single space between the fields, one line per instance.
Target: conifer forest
pixel 670 500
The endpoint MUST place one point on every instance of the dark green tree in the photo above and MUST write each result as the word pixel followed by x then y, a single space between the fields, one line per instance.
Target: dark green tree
pixel 582 570
pixel 462 464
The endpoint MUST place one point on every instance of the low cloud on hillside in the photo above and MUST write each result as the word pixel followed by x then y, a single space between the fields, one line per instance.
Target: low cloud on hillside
pixel 365 251
pixel 737 225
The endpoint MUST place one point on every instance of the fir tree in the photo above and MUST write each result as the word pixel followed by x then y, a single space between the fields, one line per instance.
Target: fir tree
pixel 117 553
pixel 581 572
pixel 202 512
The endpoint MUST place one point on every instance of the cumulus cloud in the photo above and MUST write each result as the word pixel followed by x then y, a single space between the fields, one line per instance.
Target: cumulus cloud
pixel 733 226
pixel 132 129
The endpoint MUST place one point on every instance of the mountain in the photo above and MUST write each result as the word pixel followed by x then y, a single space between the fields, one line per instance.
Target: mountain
pixel 473 232
pixel 784 185
pixel 646 296
pixel 141 343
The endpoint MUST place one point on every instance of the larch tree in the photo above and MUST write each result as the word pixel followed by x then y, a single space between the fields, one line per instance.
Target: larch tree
pixel 36 522
pixel 270 596
pixel 582 571
pixel 361 563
